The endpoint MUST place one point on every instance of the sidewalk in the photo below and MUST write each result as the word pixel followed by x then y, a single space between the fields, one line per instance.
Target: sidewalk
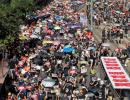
pixel 3 71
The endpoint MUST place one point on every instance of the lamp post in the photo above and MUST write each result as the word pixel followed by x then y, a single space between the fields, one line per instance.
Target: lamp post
pixel 91 12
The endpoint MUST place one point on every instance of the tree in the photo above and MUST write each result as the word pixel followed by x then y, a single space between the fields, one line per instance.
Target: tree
pixel 11 16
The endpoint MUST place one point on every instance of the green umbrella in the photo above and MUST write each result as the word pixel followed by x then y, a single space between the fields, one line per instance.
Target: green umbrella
pixel 57 27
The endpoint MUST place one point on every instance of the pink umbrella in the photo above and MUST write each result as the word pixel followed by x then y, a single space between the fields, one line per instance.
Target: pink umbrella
pixel 72 71
pixel 21 88
pixel 20 63
pixel 29 87
pixel 56 42
pixel 117 49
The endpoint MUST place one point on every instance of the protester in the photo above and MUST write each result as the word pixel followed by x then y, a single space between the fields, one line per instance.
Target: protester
pixel 59 59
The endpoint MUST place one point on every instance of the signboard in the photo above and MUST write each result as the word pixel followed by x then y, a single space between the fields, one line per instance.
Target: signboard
pixel 116 73
pixel 83 19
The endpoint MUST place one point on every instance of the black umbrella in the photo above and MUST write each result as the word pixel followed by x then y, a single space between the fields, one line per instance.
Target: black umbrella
pixel 94 91
pixel 46 47
pixel 64 41
pixel 58 54
pixel 38 60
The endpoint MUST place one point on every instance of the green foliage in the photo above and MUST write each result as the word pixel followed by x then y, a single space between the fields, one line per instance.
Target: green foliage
pixel 11 16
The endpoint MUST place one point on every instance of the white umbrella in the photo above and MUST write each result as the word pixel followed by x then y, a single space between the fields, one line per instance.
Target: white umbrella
pixel 25 33
pixel 91 48
pixel 89 95
pixel 106 44
pixel 48 82
pixel 35 36
pixel 38 29
pixel 38 67
pixel 33 56
pixel 116 24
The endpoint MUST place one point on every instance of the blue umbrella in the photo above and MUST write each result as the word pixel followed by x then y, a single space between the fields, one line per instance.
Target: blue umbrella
pixel 68 50
pixel 58 18
pixel 92 48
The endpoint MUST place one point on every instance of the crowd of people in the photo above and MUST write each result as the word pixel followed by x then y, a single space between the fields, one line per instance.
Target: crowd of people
pixel 59 59
pixel 115 19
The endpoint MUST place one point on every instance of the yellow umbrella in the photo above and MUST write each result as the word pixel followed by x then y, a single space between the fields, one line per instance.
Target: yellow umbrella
pixel 23 37
pixel 93 71
pixel 47 42
pixel 83 62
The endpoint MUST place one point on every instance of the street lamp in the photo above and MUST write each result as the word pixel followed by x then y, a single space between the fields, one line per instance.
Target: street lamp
pixel 91 12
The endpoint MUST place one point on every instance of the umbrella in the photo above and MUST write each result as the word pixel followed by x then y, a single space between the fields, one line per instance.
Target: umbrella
pixel 35 36
pixel 64 41
pixel 91 48
pixel 38 61
pixel 46 47
pixel 94 91
pixel 57 27
pixel 117 49
pixel 76 2
pixel 56 42
pixel 47 37
pixel 20 63
pixel 38 67
pixel 25 33
pixel 37 30
pixel 68 46
pixel 47 42
pixel 58 54
pixel 32 56
pixel 68 50
pixel 48 82
pixel 72 71
pixel 83 62
pixel 77 25
pixel 88 95
pixel 21 88
pixel 118 12
pixel 116 24
pixel 44 55
pixel 106 44
pixel 29 87
pixel 58 18
pixel 23 37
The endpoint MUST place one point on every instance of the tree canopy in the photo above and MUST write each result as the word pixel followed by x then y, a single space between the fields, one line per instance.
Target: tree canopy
pixel 13 14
